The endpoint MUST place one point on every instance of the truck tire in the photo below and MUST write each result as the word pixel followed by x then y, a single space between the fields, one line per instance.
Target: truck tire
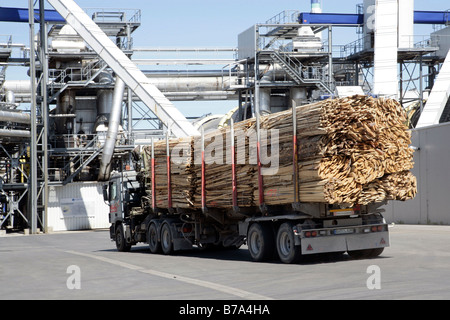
pixel 121 243
pixel 366 253
pixel 376 252
pixel 287 250
pixel 153 240
pixel 166 239
pixel 260 241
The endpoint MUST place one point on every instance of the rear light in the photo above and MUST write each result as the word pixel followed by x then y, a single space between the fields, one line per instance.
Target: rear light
pixel 186 229
pixel 309 234
pixel 376 228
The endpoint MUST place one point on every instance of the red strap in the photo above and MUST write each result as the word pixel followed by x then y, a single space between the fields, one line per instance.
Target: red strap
pixel 169 184
pixel 260 177
pixel 203 181
pixel 153 185
pixel 233 173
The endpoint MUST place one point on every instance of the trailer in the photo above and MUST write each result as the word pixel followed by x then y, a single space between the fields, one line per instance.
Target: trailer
pixel 283 232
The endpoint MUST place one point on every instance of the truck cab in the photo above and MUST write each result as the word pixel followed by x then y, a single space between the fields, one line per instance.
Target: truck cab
pixel 123 194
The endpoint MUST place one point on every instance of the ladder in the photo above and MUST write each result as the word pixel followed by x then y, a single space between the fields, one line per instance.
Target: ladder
pixel 125 69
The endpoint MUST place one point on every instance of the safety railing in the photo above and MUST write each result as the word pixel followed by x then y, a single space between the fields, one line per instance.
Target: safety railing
pixel 114 15
pixel 286 16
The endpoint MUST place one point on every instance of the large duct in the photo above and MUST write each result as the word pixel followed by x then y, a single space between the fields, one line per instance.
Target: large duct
pixel 105 98
pixel 113 129
pixel 299 96
pixel 10 97
pixel 264 101
pixel 66 105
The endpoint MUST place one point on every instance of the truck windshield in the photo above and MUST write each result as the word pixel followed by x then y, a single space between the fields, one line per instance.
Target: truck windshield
pixel 113 191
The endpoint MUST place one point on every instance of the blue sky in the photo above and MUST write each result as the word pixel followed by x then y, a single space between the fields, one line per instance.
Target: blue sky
pixel 208 23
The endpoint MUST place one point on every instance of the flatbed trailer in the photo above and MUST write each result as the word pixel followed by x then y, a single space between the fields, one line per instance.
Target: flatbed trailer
pixel 285 232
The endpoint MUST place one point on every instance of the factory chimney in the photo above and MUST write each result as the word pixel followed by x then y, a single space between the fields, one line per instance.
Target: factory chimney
pixel 316 6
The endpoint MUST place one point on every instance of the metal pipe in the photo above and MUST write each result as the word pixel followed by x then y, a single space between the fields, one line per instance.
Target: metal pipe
pixel 15 133
pixel 113 129
pixel 142 49
pixel 187 84
pixel 18 117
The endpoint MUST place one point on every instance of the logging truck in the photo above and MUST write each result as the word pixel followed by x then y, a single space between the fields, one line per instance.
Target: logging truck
pixel 285 232
pixel 333 173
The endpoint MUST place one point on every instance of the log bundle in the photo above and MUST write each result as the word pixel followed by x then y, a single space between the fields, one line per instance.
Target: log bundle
pixel 181 177
pixel 352 150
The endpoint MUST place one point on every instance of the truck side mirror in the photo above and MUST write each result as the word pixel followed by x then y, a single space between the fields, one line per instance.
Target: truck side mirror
pixel 105 193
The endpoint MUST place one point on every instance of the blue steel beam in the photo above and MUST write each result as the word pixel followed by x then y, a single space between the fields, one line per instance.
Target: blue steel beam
pixel 331 18
pixel 420 17
pixel 431 17
pixel 21 15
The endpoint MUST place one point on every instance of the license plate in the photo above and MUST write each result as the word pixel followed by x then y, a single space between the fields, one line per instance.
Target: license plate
pixel 343 231
pixel 342 212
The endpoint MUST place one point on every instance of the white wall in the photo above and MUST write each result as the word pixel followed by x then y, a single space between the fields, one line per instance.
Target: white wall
pixel 432 170
pixel 77 206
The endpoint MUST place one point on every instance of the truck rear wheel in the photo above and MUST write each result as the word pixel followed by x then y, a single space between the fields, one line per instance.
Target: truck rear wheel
pixel 153 241
pixel 260 241
pixel 287 250
pixel 166 239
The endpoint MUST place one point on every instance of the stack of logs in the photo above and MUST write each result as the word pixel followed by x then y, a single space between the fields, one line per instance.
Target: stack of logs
pixel 352 150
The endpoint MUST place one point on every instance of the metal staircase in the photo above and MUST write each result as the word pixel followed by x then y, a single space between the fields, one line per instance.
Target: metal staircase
pixel 300 73
pixel 60 80
pixel 79 162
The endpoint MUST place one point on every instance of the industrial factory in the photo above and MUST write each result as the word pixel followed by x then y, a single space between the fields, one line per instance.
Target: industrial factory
pixel 88 107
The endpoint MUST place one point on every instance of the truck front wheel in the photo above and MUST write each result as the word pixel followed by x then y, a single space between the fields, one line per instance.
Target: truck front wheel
pixel 121 243
pixel 287 250
pixel 260 241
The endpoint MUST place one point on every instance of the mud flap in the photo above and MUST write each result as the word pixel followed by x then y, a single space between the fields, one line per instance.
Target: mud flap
pixel 181 244
pixel 324 244
pixel 342 243
pixel 369 241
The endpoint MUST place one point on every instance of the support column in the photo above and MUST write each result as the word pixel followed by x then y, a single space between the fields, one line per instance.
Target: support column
pixel 386 48
pixel 33 145
pixel 44 111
